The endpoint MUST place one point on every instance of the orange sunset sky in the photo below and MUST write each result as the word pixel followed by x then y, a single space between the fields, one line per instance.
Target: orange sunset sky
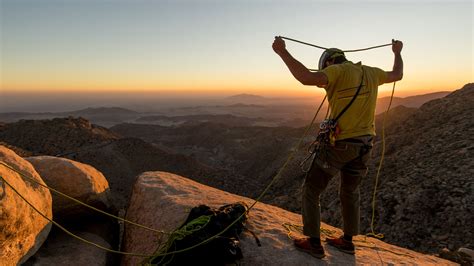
pixel 224 47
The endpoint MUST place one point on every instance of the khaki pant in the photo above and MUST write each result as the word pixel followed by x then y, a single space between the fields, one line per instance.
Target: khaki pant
pixel 349 158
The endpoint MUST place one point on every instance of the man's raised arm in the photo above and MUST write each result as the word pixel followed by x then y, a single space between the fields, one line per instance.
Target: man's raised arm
pixel 397 72
pixel 299 71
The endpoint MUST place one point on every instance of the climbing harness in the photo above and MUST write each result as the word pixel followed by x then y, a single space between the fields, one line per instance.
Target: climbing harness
pixel 312 145
pixel 273 180
pixel 328 132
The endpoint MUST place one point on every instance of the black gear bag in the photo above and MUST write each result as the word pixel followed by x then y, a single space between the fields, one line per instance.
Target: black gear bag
pixel 203 223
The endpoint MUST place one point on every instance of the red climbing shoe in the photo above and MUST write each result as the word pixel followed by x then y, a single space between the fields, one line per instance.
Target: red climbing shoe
pixel 304 245
pixel 341 244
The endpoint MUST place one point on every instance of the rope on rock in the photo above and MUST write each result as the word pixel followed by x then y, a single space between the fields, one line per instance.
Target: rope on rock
pixel 189 228
pixel 67 231
pixel 80 202
pixel 280 171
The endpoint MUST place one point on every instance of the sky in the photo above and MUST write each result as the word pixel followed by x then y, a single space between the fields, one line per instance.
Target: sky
pixel 223 47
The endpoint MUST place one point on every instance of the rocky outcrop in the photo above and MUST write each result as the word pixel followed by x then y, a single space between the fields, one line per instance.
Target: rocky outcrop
pixel 56 136
pixel 22 229
pixel 119 159
pixel 162 200
pixel 124 159
pixel 18 151
pixel 80 181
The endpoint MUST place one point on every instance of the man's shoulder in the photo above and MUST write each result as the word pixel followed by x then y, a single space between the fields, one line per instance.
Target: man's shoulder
pixel 375 72
pixel 371 68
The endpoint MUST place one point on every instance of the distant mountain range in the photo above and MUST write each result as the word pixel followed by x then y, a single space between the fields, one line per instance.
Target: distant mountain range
pixel 105 116
pixel 246 98
pixel 411 101
pixel 237 110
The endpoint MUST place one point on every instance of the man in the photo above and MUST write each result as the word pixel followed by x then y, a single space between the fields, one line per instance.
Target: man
pixel 349 154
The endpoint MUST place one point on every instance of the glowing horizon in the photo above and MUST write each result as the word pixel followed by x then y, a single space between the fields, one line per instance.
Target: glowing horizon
pixel 223 48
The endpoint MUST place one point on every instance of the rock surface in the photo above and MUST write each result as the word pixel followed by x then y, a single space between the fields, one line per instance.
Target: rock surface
pixel 80 181
pixel 162 200
pixel 22 229
pixel 62 249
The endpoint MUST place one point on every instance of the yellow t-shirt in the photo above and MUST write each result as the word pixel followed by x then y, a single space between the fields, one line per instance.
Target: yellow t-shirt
pixel 343 81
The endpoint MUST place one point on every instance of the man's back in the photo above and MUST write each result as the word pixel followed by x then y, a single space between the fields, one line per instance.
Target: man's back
pixel 343 81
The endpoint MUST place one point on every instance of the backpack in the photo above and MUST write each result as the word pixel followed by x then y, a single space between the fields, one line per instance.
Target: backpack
pixel 203 223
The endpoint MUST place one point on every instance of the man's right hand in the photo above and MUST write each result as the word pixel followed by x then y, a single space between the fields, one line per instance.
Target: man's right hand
pixel 279 45
pixel 397 46
pixel 397 72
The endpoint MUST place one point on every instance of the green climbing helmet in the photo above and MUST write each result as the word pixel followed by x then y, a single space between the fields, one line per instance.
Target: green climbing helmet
pixel 327 55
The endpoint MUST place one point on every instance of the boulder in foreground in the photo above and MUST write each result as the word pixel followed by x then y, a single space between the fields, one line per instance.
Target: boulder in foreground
pixel 162 200
pixel 80 181
pixel 22 229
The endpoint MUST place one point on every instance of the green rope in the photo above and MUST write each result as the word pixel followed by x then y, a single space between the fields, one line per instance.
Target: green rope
pixel 179 234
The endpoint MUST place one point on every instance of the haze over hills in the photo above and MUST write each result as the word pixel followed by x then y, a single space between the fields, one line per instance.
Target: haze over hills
pixel 247 98
pixel 242 109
